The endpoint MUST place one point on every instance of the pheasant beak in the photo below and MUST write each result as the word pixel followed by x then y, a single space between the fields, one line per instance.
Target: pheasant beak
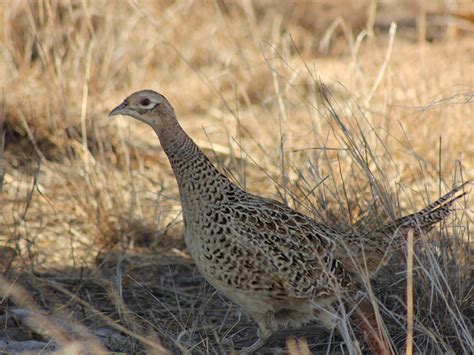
pixel 120 109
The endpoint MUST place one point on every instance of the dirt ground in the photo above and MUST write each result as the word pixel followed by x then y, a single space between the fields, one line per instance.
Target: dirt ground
pixel 92 256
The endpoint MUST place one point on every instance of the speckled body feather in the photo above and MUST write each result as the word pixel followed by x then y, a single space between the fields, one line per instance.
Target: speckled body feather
pixel 279 265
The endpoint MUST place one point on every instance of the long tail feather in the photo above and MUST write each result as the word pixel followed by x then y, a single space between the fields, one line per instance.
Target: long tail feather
pixel 423 220
pixel 376 246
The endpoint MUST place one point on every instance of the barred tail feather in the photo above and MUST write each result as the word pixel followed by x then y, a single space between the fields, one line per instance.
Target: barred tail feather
pixel 382 241
pixel 423 220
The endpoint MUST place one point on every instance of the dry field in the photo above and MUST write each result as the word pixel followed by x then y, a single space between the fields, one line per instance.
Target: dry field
pixel 322 104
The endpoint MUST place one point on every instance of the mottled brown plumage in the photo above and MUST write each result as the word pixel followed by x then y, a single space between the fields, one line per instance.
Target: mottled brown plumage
pixel 282 267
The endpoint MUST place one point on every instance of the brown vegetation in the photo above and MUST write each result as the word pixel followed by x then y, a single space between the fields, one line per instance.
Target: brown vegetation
pixel 90 225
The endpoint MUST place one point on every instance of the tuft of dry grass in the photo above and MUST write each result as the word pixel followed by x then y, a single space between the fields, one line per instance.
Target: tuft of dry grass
pixel 323 105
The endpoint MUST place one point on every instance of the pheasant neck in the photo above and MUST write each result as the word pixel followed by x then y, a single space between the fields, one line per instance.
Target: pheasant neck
pixel 198 179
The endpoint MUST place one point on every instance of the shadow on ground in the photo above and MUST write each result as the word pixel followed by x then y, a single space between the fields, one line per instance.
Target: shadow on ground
pixel 160 297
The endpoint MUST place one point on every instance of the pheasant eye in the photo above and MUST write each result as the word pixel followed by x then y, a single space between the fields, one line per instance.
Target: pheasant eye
pixel 145 102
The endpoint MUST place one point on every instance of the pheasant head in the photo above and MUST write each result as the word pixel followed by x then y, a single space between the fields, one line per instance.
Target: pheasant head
pixel 147 106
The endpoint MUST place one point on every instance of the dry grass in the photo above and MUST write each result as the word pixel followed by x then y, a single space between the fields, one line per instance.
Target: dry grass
pixel 90 214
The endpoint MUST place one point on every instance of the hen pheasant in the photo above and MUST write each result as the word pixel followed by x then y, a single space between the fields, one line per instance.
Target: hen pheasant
pixel 282 267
